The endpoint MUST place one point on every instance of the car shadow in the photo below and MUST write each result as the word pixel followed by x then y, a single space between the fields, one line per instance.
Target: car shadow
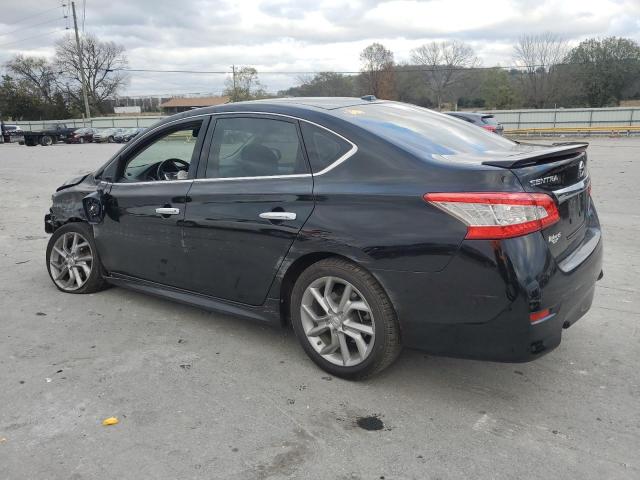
pixel 414 372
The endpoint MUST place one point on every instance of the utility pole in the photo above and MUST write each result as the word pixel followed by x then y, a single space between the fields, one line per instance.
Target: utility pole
pixel 82 78
pixel 235 93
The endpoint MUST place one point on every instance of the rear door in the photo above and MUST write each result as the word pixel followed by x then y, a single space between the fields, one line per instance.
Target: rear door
pixel 252 196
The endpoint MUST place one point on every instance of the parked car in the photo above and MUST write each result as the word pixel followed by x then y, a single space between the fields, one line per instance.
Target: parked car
pixel 57 132
pixel 82 135
pixel 128 134
pixel 483 120
pixel 10 133
pixel 368 225
pixel 107 135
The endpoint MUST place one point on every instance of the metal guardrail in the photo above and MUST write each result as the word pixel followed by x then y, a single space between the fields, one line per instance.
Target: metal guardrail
pixel 613 130
pixel 568 117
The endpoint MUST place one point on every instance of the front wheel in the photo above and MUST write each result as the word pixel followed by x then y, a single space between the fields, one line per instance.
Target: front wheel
pixel 344 319
pixel 72 259
pixel 111 139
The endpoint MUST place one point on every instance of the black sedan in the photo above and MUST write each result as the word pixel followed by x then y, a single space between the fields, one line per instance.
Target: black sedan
pixel 128 134
pixel 482 120
pixel 81 135
pixel 368 225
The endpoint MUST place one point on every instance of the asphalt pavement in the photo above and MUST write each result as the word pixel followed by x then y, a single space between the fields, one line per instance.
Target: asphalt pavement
pixel 207 396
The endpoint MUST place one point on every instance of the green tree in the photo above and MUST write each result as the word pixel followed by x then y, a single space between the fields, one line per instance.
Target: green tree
pixel 244 84
pixel 497 90
pixel 605 67
pixel 323 84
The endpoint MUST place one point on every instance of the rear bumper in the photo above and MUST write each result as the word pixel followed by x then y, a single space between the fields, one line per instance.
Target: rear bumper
pixel 479 305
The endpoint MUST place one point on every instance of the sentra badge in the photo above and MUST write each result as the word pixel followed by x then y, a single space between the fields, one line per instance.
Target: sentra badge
pixel 544 180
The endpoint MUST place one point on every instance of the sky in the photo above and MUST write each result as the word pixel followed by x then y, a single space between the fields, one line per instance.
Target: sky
pixel 297 36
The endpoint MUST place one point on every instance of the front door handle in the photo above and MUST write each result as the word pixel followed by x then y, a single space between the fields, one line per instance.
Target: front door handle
pixel 278 215
pixel 167 211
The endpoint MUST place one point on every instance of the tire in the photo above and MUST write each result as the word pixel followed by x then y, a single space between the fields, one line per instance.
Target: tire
pixel 81 140
pixel 46 141
pixel 111 139
pixel 90 283
pixel 376 313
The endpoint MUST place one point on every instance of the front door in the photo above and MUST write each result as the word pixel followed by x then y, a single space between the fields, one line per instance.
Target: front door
pixel 251 198
pixel 141 235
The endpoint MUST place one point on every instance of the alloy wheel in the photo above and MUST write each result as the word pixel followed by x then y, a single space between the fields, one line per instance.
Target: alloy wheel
pixel 71 261
pixel 337 321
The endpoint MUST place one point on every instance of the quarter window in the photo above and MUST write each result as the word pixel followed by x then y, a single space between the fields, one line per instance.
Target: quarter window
pixel 323 147
pixel 255 147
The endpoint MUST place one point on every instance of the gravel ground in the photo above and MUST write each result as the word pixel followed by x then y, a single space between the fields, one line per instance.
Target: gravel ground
pixel 202 395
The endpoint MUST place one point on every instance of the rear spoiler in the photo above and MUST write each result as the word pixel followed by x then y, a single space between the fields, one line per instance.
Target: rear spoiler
pixel 556 151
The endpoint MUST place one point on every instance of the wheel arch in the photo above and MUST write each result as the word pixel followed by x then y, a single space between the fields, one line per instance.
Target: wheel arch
pixel 293 272
pixel 299 265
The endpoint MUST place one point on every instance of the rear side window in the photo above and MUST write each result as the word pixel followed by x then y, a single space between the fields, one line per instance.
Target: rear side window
pixel 490 120
pixel 255 147
pixel 323 147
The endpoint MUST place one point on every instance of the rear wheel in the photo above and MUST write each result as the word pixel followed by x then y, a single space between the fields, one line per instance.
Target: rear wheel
pixel 344 319
pixel 72 259
pixel 111 139
pixel 81 140
pixel 46 141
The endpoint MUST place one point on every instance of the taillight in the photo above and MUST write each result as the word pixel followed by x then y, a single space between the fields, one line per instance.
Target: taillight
pixel 491 128
pixel 496 215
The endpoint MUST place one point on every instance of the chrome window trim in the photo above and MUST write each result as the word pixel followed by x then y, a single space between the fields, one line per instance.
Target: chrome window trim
pixel 566 193
pixel 352 151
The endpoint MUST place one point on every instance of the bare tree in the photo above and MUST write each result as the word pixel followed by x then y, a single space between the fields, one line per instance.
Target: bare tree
pixel 445 64
pixel 244 84
pixel 37 73
pixel 378 71
pixel 539 56
pixel 102 64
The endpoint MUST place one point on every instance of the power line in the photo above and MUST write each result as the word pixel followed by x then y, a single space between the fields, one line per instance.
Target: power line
pixel 397 69
pixel 32 16
pixel 32 26
pixel 29 38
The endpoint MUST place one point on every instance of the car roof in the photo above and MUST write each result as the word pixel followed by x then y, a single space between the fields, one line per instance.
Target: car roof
pixel 309 108
pixel 324 103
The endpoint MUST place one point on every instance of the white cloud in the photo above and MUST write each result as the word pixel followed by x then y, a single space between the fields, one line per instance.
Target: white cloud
pixel 305 35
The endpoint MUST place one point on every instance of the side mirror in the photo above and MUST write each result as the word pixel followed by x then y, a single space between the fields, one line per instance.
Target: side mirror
pixel 94 207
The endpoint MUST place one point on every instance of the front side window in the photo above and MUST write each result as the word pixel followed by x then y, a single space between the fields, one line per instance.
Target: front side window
pixel 167 157
pixel 255 147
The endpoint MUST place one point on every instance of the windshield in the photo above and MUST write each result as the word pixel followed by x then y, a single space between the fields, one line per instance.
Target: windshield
pixel 423 131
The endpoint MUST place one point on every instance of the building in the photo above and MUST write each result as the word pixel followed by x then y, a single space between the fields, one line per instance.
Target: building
pixel 177 105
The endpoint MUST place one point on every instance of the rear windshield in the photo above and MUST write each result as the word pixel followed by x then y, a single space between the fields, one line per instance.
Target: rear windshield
pixel 489 120
pixel 423 131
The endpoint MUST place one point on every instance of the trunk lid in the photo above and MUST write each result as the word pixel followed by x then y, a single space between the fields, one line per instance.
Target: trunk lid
pixel 561 171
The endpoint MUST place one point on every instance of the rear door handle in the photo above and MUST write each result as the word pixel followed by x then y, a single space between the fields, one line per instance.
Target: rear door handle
pixel 167 211
pixel 278 215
